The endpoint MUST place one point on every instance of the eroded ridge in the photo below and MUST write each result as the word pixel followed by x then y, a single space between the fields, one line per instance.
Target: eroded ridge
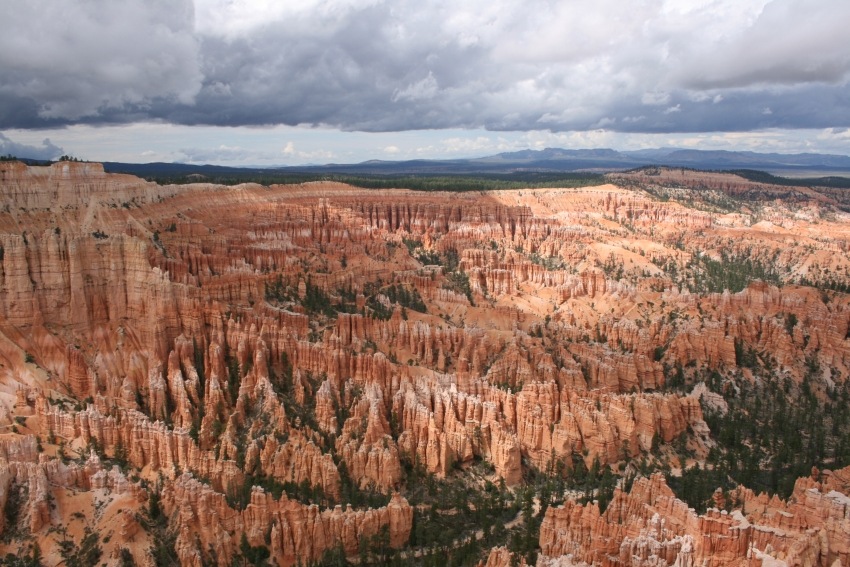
pixel 202 374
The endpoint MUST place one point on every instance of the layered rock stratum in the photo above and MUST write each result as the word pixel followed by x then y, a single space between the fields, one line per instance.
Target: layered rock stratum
pixel 198 372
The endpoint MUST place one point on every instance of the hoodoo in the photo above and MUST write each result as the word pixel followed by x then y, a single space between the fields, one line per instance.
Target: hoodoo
pixel 631 374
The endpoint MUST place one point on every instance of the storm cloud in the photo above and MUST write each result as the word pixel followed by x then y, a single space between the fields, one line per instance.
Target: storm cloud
pixel 372 65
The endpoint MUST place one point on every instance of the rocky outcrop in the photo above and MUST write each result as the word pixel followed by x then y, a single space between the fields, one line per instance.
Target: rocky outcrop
pixel 67 185
pixel 444 428
pixel 145 443
pixel 502 557
pixel 649 526
pixel 293 532
pixel 366 444
pixel 298 461
pixel 41 495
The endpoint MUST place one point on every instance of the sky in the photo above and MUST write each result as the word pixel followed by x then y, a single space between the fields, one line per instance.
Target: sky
pixel 288 82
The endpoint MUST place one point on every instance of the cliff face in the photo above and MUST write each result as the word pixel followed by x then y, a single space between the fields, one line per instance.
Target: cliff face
pixel 649 526
pixel 69 185
pixel 261 357
pixel 293 532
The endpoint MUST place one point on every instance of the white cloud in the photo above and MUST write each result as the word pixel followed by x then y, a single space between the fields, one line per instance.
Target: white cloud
pixel 787 42
pixel 222 154
pixel 605 122
pixel 290 153
pixel 421 90
pixel 655 98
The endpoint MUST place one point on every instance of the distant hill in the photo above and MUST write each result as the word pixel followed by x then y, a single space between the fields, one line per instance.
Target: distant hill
pixel 549 160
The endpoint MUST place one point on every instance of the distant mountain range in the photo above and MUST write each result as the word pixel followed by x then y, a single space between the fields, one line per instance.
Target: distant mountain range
pixel 549 160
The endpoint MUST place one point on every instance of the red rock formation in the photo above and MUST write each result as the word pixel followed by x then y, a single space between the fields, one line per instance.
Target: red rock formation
pixel 649 526
pixel 171 326
pixel 502 557
pixel 366 445
pixel 292 531
pixel 42 489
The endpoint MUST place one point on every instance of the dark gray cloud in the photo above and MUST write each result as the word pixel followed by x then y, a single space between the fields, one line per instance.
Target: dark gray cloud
pixel 381 65
pixel 46 151
pixel 68 62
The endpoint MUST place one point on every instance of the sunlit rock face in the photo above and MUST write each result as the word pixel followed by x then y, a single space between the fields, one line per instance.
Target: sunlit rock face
pixel 250 357
pixel 649 526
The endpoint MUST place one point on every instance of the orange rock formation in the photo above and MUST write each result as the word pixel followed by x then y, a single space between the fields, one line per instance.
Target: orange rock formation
pixel 212 338
pixel 649 526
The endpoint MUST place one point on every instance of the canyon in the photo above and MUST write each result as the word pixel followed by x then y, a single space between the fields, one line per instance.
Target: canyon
pixel 204 374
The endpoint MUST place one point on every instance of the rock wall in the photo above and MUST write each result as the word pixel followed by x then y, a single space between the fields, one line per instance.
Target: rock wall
pixel 649 526
pixel 293 532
